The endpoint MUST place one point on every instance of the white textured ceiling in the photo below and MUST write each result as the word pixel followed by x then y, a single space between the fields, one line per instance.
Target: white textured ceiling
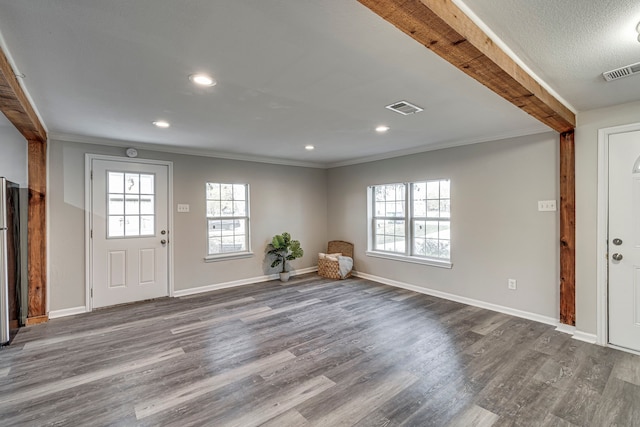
pixel 294 72
pixel 570 43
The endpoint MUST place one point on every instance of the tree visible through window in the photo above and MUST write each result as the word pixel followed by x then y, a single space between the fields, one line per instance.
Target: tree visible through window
pixel 411 219
pixel 227 218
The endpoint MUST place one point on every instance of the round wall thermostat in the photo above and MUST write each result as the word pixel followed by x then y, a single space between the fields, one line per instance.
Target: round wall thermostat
pixel 132 152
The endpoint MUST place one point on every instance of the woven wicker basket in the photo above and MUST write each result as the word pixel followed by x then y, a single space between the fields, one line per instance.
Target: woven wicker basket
pixel 331 269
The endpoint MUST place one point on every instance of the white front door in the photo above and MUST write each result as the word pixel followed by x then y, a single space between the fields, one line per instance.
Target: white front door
pixel 129 220
pixel 624 240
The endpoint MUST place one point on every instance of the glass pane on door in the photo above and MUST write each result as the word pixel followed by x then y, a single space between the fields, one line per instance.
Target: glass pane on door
pixel 131 204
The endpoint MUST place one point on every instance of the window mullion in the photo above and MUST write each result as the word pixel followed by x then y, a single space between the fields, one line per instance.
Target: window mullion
pixel 408 205
pixel 372 233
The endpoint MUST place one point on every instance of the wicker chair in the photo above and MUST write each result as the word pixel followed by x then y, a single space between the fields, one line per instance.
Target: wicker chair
pixel 329 268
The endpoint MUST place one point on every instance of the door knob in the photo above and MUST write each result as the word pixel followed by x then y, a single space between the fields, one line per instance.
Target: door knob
pixel 616 257
pixel 163 241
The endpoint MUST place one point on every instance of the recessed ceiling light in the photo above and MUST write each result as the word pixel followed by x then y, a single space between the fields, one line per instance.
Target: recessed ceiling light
pixel 202 79
pixel 161 123
pixel 382 129
pixel 309 147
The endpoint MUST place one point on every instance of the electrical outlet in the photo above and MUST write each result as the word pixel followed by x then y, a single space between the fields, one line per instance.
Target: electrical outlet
pixel 513 284
pixel 183 208
pixel 547 205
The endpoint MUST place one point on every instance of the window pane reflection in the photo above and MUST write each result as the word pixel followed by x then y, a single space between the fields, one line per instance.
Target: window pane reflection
pixel 132 226
pixel 132 183
pixel 130 204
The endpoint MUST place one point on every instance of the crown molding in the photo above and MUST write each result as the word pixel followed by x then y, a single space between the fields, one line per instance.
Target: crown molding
pixel 440 146
pixel 173 149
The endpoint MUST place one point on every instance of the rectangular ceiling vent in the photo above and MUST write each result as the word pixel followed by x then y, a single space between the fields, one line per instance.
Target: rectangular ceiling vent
pixel 403 107
pixel 619 73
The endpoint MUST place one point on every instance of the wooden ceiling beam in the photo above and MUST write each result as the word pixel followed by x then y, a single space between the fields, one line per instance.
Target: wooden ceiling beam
pixel 16 106
pixel 443 28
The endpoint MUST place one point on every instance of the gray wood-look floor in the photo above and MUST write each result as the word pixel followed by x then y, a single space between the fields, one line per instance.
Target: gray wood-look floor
pixel 311 352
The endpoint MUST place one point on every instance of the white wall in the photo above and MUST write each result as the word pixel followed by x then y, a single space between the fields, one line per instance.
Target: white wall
pixel 13 166
pixel 497 232
pixel 589 122
pixel 283 198
pixel 13 154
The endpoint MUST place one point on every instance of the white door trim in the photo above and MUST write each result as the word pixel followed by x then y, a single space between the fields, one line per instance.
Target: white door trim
pixel 602 316
pixel 89 158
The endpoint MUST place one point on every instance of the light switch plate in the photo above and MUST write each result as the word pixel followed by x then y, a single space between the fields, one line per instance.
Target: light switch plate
pixel 547 205
pixel 183 208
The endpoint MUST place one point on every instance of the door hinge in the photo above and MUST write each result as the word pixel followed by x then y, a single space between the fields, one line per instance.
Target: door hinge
pixel 91 292
pixel 91 233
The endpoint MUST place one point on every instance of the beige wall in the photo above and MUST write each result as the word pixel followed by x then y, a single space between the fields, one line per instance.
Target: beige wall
pixel 283 198
pixel 497 232
pixel 589 123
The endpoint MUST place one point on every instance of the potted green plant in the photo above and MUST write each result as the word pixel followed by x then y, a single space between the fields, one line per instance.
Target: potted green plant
pixel 284 249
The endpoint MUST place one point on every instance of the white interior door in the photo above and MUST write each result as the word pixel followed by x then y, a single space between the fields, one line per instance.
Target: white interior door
pixel 624 240
pixel 129 212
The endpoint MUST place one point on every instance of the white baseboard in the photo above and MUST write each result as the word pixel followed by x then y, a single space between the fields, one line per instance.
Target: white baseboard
pixel 578 335
pixel 67 312
pixel 463 300
pixel 583 336
pixel 567 329
pixel 184 292
pixel 242 282
pixel 560 327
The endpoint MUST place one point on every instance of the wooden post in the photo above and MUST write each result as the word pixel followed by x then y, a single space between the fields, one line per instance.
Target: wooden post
pixel 15 105
pixel 37 233
pixel 567 229
pixel 443 28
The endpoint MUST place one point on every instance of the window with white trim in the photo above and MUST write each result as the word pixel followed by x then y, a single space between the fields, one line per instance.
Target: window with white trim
pixel 227 219
pixel 411 221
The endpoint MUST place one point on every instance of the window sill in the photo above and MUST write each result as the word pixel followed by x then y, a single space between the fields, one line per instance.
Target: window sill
pixel 413 260
pixel 226 257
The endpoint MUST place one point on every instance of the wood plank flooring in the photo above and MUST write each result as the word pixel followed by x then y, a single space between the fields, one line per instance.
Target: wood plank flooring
pixel 311 352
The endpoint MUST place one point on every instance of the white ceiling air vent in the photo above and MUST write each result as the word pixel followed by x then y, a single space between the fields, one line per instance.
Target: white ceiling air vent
pixel 619 73
pixel 403 107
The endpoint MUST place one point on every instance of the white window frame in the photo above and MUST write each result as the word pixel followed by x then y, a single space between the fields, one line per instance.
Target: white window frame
pixel 409 219
pixel 229 255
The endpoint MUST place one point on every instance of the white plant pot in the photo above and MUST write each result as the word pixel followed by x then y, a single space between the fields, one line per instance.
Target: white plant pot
pixel 284 277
